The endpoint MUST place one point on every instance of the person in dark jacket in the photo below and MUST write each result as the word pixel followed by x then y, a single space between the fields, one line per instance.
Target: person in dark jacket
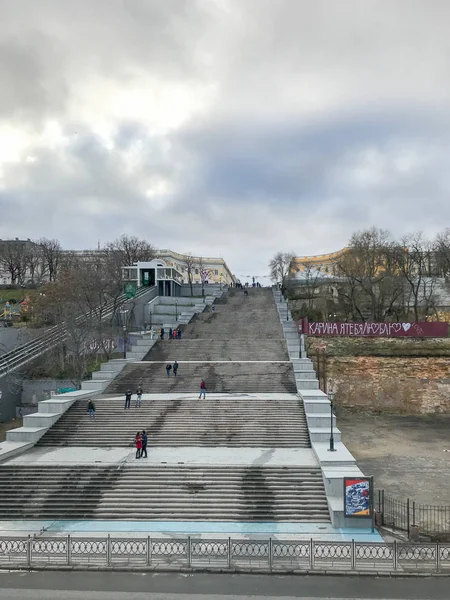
pixel 144 444
pixel 175 368
pixel 128 395
pixel 168 369
pixel 91 409
pixel 139 393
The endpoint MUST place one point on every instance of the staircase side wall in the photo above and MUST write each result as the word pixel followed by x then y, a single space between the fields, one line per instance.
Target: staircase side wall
pixel 334 465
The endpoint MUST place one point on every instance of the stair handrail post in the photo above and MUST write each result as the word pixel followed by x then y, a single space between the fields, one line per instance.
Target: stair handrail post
pixel 270 551
pixel 149 551
pixel 189 549
pixel 29 542
pixel 229 550
pixel 108 550
pixel 311 554
pixel 69 550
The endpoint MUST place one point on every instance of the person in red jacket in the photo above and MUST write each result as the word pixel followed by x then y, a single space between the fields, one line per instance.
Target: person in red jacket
pixel 202 389
pixel 138 443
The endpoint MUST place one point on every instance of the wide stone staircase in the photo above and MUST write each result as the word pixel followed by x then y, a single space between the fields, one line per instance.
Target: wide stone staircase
pixel 239 329
pixel 243 455
pixel 162 493
pixel 230 422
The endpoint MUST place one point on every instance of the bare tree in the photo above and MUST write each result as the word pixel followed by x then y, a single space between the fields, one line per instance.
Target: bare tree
pixel 413 262
pixel 371 287
pixel 442 253
pixel 131 250
pixel 280 268
pixel 203 271
pixel 309 283
pixel 52 253
pixel 36 263
pixel 13 259
pixel 189 263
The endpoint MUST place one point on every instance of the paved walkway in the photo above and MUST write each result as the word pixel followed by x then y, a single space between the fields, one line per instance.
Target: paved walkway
pixel 193 456
pixel 199 529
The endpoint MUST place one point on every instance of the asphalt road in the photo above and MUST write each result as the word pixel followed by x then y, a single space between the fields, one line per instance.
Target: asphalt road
pixel 145 586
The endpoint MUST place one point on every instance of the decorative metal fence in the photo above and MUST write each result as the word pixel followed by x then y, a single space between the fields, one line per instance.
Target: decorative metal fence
pixel 225 554
pixel 432 521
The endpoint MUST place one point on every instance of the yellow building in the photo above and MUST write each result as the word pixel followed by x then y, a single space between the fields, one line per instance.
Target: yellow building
pixel 325 263
pixel 216 268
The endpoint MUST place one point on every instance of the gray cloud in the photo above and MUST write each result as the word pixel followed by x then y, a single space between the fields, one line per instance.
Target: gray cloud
pixel 227 128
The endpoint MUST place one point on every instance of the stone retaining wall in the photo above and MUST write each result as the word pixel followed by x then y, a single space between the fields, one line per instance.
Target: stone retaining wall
pixel 386 375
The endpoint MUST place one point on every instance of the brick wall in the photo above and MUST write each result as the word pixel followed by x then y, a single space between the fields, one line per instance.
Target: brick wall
pixel 390 376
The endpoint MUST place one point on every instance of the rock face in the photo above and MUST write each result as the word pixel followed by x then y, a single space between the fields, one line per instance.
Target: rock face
pixel 392 376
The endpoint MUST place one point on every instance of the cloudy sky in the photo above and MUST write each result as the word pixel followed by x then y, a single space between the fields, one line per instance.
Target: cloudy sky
pixel 232 128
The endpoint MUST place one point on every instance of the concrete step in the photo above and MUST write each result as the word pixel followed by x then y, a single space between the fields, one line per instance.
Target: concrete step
pixel 220 377
pixel 306 384
pixel 163 493
pixel 224 422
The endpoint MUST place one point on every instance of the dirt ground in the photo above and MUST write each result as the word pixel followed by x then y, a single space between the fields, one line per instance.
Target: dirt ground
pixel 404 454
pixel 4 427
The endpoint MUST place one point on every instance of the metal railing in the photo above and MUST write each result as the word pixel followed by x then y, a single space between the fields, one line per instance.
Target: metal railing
pixel 432 521
pixel 20 356
pixel 268 555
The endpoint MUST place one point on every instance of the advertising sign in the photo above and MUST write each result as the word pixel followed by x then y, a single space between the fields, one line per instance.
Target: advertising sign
pixel 424 329
pixel 358 497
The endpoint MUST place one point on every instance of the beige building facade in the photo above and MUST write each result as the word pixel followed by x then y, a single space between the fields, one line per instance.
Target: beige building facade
pixel 217 270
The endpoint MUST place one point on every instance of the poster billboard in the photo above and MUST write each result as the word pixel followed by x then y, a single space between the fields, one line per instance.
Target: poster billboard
pixel 358 497
pixel 372 329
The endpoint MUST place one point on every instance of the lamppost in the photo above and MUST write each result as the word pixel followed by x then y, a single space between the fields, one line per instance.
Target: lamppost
pixel 150 317
pixel 287 311
pixel 331 398
pixel 125 341
pixel 176 310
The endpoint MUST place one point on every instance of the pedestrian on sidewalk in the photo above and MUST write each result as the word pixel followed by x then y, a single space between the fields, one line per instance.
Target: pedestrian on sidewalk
pixel 144 444
pixel 128 395
pixel 139 393
pixel 162 333
pixel 138 442
pixel 168 369
pixel 175 368
pixel 202 390
pixel 91 409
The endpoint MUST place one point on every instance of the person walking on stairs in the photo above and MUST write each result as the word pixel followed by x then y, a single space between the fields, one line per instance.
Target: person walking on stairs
pixel 91 409
pixel 171 334
pixel 162 333
pixel 144 444
pixel 128 395
pixel 168 369
pixel 139 396
pixel 202 390
pixel 175 368
pixel 138 442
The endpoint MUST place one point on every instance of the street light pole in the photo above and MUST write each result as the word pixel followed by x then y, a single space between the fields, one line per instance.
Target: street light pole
pixel 125 341
pixel 176 310
pixel 287 311
pixel 331 398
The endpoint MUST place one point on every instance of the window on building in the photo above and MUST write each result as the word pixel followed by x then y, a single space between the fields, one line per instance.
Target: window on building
pixel 216 272
pixel 196 271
